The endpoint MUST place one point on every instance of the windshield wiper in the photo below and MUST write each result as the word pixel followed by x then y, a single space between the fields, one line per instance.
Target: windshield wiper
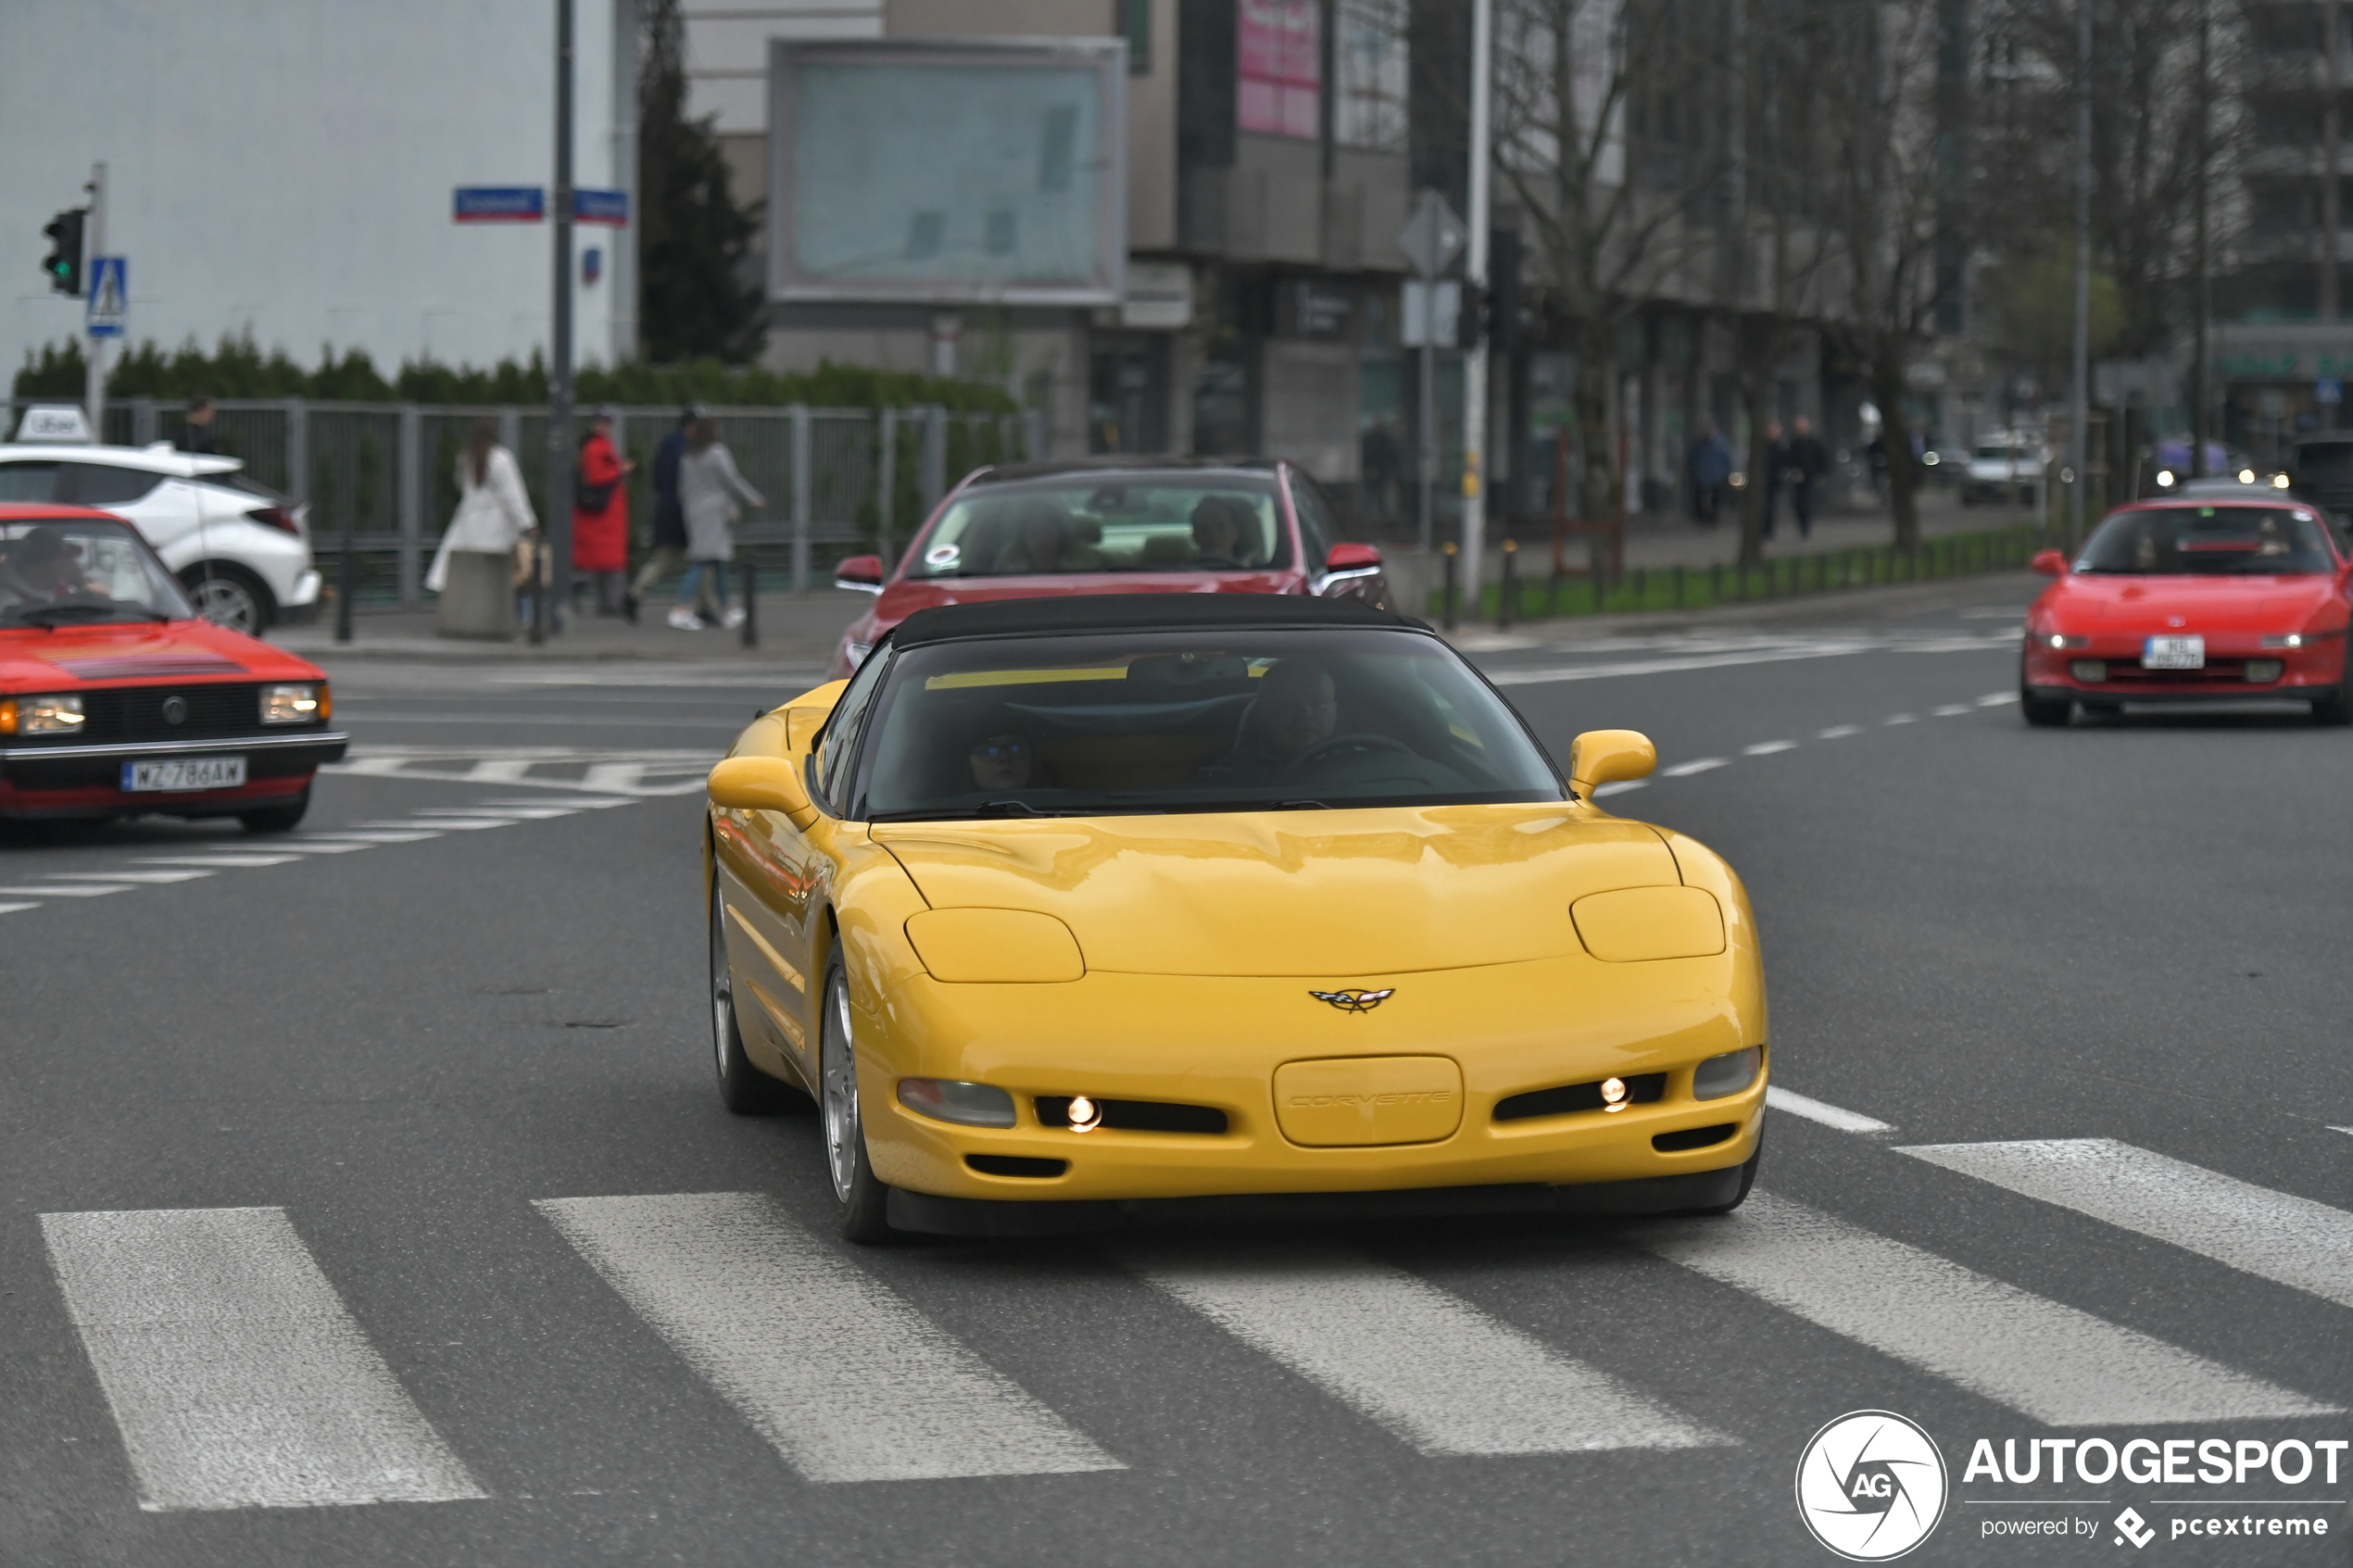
pixel 45 615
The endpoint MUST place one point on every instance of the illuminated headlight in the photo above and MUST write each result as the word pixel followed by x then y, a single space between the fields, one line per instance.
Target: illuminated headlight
pixel 293 705
pixel 1725 1074
pixel 2286 640
pixel 2279 482
pixel 58 713
pixel 945 1099
pixel 2264 668
pixel 2246 476
pixel 2165 476
pixel 857 652
pixel 1930 460
pixel 2060 640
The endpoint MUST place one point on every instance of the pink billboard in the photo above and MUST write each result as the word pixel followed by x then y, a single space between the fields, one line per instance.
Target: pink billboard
pixel 1280 60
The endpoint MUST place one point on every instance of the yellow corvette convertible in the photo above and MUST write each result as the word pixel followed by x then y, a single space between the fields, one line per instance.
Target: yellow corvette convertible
pixel 1071 912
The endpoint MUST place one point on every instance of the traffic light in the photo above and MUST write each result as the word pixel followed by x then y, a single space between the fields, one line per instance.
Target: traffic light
pixel 64 266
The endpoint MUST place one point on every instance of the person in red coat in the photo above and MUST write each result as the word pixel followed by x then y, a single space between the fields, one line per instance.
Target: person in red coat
pixel 601 514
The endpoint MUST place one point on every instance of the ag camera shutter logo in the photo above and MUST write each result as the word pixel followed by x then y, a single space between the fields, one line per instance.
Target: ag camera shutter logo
pixel 1871 1486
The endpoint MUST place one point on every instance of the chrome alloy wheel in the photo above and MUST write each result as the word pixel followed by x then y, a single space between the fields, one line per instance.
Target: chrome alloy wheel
pixel 723 984
pixel 225 601
pixel 837 1070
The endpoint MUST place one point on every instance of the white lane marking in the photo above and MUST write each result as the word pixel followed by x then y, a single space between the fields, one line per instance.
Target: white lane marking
pixel 12 908
pixel 519 813
pixel 1955 709
pixel 379 835
pixel 626 778
pixel 1696 765
pixel 1666 665
pixel 595 803
pixel 326 846
pixel 129 876
pixel 2341 1129
pixel 1901 718
pixel 230 861
pixel 69 890
pixel 1996 700
pixel 1828 1115
pixel 2274 1236
pixel 1768 747
pixel 833 1367
pixel 234 1371
pixel 1422 1361
pixel 2049 1361
pixel 500 769
pixel 1620 787
pixel 450 824
pixel 1840 732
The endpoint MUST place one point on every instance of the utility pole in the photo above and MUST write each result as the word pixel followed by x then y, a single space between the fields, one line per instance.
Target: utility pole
pixel 2080 411
pixel 556 527
pixel 2332 161
pixel 93 245
pixel 2199 371
pixel 1475 279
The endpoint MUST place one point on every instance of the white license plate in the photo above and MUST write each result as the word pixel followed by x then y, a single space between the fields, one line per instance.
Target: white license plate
pixel 2173 653
pixel 185 772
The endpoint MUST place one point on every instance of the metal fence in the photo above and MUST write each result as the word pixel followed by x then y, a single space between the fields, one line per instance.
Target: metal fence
pixel 836 480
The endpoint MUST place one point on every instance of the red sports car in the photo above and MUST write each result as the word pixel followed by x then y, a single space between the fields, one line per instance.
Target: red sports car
pixel 114 700
pixel 1114 526
pixel 2192 600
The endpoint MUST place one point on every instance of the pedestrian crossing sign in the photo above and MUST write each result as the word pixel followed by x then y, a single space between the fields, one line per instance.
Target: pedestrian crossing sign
pixel 109 295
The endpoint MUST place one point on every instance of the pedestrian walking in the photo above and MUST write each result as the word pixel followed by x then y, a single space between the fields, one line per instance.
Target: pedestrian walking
pixel 1711 466
pixel 713 495
pixel 1776 473
pixel 195 433
pixel 1810 460
pixel 601 514
pixel 668 540
pixel 475 571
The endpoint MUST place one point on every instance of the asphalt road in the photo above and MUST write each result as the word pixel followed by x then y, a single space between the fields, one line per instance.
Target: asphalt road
pixel 363 1063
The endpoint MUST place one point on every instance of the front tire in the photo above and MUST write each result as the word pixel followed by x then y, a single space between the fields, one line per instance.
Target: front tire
pixel 230 595
pixel 864 1201
pixel 743 1088
pixel 2043 713
pixel 2333 710
pixel 277 819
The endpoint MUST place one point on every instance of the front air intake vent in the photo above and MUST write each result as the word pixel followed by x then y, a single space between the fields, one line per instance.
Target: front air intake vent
pixel 1015 1165
pixel 1138 1116
pixel 1641 1088
pixel 1693 1137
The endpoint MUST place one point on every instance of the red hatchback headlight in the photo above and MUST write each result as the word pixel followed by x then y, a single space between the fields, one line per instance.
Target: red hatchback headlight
pixel 2060 640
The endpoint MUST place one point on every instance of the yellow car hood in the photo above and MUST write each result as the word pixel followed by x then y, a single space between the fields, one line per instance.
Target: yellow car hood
pixel 1332 894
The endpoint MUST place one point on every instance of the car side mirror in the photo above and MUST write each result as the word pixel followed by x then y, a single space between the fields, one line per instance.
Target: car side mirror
pixel 2050 563
pixel 1351 557
pixel 1600 756
pixel 759 784
pixel 863 572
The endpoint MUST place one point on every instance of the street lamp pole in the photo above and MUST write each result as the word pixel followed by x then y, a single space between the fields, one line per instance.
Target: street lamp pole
pixel 1475 277
pixel 2079 414
pixel 555 585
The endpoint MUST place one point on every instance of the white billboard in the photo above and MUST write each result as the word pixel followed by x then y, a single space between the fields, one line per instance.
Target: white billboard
pixel 946 174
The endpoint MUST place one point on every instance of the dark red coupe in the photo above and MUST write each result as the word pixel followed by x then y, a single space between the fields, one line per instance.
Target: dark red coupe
pixel 1114 526
pixel 2192 600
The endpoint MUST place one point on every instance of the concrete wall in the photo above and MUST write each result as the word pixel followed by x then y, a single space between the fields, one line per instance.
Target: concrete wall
pixel 284 167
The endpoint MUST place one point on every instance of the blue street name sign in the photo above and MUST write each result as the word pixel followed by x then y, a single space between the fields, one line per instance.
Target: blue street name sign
pixel 109 294
pixel 2328 390
pixel 600 207
pixel 498 204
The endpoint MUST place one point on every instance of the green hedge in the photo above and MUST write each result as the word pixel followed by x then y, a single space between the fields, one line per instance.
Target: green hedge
pixel 1673 588
pixel 237 369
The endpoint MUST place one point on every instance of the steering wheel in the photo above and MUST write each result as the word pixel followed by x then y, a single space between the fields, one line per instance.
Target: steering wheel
pixel 1325 750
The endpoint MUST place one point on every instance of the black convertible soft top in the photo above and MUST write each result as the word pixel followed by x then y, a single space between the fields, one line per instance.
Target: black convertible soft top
pixel 1129 612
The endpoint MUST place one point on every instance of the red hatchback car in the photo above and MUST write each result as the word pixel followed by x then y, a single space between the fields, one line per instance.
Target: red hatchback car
pixel 2192 600
pixel 1114 526
pixel 116 700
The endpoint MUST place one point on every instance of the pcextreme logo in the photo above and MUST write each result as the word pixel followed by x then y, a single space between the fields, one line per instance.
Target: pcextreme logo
pixel 1870 1485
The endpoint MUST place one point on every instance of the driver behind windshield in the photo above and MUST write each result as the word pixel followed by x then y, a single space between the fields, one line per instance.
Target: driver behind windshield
pixel 1296 710
pixel 1042 542
pixel 1217 534
pixel 42 567
pixel 1000 762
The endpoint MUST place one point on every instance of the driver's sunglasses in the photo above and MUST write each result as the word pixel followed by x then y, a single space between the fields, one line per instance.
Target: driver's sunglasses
pixel 1000 751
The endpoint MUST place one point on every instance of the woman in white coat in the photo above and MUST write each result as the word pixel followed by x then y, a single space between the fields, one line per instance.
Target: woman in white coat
pixel 494 515
pixel 712 494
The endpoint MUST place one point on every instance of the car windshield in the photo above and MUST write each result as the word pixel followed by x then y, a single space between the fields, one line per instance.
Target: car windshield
pixel 1166 722
pixel 79 572
pixel 2209 542
pixel 1109 522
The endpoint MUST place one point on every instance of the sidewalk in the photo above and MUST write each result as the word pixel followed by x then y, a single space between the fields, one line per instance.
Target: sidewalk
pixel 799 630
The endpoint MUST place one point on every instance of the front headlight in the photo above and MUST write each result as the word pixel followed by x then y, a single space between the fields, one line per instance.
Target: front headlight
pixel 1725 1074
pixel 2286 640
pixel 53 713
pixel 945 1099
pixel 2060 640
pixel 304 704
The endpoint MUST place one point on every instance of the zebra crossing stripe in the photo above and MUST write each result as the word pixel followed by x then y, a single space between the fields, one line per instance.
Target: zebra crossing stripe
pixel 833 1367
pixel 234 1371
pixel 1423 1362
pixel 2274 1236
pixel 2053 1363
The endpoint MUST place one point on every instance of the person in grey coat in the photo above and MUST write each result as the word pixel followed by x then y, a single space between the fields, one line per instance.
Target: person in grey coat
pixel 714 495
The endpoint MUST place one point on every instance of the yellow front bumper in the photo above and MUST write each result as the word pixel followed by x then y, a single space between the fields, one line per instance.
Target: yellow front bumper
pixel 1511 1028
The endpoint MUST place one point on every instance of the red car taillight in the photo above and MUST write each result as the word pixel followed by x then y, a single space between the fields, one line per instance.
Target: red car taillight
pixel 274 516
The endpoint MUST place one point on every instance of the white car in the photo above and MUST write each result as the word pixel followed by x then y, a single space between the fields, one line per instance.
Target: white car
pixel 2003 468
pixel 241 549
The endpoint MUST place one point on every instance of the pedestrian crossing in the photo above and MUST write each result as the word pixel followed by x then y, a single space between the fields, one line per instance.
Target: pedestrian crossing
pixel 238 1378
pixel 638 773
